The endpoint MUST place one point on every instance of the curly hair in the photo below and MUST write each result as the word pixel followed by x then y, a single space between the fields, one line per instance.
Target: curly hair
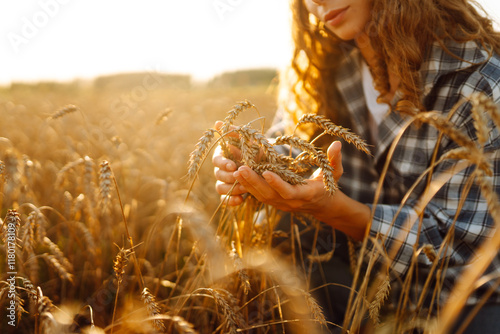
pixel 391 31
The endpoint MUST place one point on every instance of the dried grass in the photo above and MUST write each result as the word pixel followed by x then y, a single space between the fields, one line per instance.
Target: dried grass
pixel 196 278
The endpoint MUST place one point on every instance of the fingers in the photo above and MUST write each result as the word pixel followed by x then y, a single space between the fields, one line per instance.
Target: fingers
pixel 285 189
pixel 253 183
pixel 232 200
pixel 223 188
pixel 335 158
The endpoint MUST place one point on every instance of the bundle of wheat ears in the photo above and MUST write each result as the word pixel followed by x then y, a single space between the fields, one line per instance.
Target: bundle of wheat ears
pixel 260 154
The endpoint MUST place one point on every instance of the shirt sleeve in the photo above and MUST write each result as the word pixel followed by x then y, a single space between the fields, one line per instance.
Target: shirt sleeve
pixel 452 224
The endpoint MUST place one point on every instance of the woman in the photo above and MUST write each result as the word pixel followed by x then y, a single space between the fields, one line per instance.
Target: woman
pixel 371 65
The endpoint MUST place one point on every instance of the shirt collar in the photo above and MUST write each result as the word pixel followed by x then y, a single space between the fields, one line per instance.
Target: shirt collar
pixel 439 62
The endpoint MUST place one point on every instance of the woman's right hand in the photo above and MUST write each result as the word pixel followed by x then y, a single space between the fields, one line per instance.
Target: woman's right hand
pixel 223 170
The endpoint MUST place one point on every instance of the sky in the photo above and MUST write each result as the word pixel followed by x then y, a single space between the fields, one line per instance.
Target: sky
pixel 67 39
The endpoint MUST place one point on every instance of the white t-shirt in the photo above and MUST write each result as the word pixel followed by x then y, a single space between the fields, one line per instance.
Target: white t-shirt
pixel 377 110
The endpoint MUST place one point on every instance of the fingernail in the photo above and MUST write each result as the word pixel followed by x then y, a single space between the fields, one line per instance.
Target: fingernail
pixel 243 173
pixel 230 167
pixel 236 174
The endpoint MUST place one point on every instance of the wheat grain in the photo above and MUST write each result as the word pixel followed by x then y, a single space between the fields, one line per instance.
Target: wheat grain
pixel 429 252
pixel 473 156
pixel 380 296
pixel 238 265
pixel 120 263
pixel 70 108
pixel 481 125
pixel 68 203
pixel 334 130
pixel 58 254
pixel 318 258
pixel 233 114
pixel 66 168
pixel 182 325
pixel 61 270
pixel 87 237
pixel 353 255
pixel 45 309
pixel 163 116
pixel 197 156
pixel 88 177
pixel 28 167
pixel 153 309
pixel 489 193
pixel 2 170
pixel 28 233
pixel 105 183
pixel 484 103
pixel 319 157
pixel 282 171
pixel 315 309
pixel 226 301
pixel 270 152
pixel 30 289
pixel 441 123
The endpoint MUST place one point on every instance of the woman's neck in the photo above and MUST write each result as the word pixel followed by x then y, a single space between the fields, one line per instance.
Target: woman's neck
pixel 369 55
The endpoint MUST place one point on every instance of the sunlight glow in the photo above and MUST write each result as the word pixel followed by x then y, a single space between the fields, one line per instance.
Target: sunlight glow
pixel 65 39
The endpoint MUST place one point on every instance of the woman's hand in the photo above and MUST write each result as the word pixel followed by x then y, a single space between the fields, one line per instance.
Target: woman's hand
pixel 272 190
pixel 223 170
pixel 339 211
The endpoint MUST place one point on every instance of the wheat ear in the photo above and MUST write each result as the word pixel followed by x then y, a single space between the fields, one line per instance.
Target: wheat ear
pixel 334 130
pixel 119 265
pixel 153 309
pixel 315 309
pixel 380 296
pixel 319 157
pixel 197 156
pixel 163 116
pixel 68 109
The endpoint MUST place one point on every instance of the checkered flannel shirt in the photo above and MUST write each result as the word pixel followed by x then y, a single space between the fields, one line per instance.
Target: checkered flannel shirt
pixel 446 81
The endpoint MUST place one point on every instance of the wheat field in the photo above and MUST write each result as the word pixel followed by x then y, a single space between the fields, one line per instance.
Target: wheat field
pixel 117 228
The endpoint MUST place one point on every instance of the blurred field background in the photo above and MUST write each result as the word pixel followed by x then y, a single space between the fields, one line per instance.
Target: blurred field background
pixel 74 230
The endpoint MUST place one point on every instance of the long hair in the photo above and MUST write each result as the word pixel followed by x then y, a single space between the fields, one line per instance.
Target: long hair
pixel 401 32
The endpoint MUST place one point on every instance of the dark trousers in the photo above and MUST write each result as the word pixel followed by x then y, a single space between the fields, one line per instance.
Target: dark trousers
pixel 330 281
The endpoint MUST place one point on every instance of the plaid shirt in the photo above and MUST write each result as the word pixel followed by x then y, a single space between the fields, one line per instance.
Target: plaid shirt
pixel 446 80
